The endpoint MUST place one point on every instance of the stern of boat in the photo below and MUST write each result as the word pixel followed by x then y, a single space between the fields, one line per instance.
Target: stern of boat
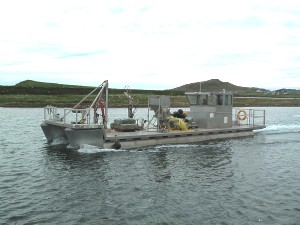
pixel 85 136
pixel 54 133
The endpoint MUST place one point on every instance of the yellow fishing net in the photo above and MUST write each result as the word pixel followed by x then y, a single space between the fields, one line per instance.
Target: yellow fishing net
pixel 177 124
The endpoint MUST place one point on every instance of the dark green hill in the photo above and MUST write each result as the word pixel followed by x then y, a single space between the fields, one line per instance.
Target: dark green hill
pixel 215 85
pixel 32 83
pixel 30 93
pixel 30 87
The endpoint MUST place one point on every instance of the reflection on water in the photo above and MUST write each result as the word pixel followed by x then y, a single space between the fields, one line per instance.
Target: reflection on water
pixel 158 166
pixel 162 162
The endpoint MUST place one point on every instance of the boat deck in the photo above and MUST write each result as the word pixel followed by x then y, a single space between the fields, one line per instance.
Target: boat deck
pixel 194 135
pixel 111 134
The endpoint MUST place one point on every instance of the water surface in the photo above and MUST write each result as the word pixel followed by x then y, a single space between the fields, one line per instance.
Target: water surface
pixel 253 180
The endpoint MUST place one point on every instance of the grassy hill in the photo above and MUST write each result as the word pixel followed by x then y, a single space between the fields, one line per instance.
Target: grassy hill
pixel 31 93
pixel 32 83
pixel 30 87
pixel 215 85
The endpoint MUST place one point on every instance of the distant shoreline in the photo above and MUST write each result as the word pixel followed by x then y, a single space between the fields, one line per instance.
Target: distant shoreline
pixel 32 94
pixel 180 102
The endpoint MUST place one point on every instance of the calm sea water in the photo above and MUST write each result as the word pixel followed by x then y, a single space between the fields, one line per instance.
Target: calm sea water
pixel 252 180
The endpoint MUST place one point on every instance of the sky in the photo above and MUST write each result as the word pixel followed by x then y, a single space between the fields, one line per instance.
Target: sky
pixel 153 45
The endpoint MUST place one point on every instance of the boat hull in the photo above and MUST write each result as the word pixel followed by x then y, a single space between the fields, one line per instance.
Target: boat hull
pixel 59 133
pixel 78 137
pixel 53 133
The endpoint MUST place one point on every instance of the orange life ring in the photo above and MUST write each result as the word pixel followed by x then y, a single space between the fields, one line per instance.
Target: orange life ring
pixel 242 114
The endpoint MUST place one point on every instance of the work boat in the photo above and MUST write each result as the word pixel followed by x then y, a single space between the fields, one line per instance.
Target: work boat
pixel 210 117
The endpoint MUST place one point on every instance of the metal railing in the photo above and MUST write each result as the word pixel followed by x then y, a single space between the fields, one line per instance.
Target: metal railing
pixel 72 116
pixel 249 117
pixel 80 114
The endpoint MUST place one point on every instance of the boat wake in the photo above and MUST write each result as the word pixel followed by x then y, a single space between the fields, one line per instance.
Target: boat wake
pixel 159 148
pixel 91 149
pixel 175 146
pixel 58 141
pixel 280 129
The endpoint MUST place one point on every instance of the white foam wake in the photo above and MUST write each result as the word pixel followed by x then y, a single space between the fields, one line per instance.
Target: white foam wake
pixel 90 149
pixel 281 128
pixel 59 141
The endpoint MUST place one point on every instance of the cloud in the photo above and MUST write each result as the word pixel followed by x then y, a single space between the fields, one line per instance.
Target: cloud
pixel 81 54
pixel 117 10
pixel 156 44
pixel 243 23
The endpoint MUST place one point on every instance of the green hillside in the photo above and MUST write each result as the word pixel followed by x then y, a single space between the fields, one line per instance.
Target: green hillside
pixel 32 83
pixel 215 85
pixel 31 93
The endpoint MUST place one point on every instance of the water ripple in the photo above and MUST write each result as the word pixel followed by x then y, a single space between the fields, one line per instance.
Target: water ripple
pixel 244 181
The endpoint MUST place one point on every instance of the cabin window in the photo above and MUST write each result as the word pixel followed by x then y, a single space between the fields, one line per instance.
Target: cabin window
pixel 203 99
pixel 211 100
pixel 192 99
pixel 228 100
pixel 220 100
